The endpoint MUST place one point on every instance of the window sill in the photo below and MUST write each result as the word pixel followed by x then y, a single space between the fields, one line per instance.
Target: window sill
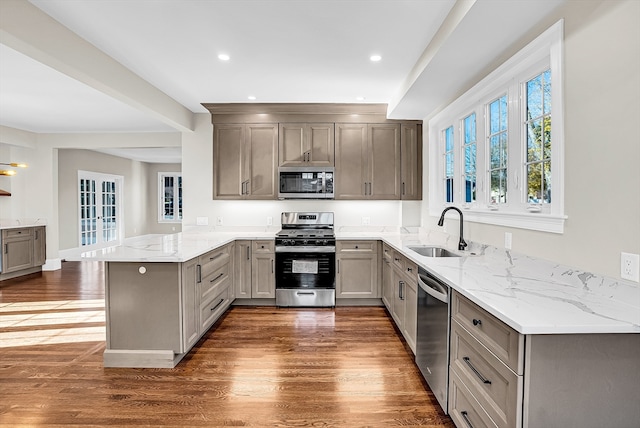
pixel 532 221
pixel 169 221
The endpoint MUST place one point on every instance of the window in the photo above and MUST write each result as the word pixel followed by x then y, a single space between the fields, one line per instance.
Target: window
pixel 170 197
pixel 538 125
pixel 448 162
pixel 470 153
pixel 507 149
pixel 498 138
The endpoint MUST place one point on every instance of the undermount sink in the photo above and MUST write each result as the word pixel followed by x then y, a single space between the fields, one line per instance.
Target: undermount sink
pixel 430 251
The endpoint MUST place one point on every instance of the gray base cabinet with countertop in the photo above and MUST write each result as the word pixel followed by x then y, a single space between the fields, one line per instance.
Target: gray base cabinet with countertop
pixel 500 378
pixel 23 251
pixel 156 312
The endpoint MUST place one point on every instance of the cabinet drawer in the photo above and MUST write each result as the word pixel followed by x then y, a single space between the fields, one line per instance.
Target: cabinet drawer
pixel 16 233
pixel 463 408
pixel 357 246
pixel 498 337
pixel 398 260
pixel 387 252
pixel 210 284
pixel 211 310
pixel 492 383
pixel 264 246
pixel 410 269
pixel 213 260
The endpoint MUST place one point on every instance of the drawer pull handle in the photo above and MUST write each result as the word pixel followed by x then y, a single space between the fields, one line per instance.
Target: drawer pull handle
pixel 217 277
pixel 216 306
pixel 216 256
pixel 482 378
pixel 198 274
pixel 477 322
pixel 466 418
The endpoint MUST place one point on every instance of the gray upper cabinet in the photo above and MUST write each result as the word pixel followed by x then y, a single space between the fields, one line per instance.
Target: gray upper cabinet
pixel 368 161
pixel 245 160
pixel 411 158
pixel 306 144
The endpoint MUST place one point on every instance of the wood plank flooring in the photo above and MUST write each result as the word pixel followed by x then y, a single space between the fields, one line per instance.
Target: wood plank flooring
pixel 260 367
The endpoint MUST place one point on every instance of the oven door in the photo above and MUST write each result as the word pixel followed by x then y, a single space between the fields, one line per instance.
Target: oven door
pixel 305 270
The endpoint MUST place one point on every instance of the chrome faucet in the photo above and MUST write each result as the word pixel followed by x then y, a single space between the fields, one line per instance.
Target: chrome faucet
pixel 461 244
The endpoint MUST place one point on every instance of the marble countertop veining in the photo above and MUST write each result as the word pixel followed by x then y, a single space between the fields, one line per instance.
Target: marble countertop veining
pixel 16 224
pixel 531 295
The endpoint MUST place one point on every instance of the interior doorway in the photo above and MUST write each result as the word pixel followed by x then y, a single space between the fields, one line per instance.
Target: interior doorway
pixel 99 209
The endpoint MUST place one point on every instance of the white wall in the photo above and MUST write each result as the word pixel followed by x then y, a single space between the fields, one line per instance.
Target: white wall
pixel 602 144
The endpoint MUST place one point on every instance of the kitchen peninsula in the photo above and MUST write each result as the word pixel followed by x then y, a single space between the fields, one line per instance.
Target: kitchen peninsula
pixel 576 333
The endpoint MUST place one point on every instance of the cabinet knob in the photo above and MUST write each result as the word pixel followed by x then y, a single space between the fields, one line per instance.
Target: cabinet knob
pixel 477 322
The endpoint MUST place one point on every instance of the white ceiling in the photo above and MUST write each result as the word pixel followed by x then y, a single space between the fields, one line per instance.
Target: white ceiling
pixel 281 51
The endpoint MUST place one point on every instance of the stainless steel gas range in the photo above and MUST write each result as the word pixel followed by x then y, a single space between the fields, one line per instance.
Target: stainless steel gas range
pixel 306 260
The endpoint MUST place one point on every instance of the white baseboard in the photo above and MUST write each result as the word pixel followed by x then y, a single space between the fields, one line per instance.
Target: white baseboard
pixel 52 264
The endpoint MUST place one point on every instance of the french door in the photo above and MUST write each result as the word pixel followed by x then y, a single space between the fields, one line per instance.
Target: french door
pixel 100 209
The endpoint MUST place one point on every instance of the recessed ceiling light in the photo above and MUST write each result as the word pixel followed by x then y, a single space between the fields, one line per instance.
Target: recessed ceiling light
pixel 251 97
pixel 375 58
pixel 224 57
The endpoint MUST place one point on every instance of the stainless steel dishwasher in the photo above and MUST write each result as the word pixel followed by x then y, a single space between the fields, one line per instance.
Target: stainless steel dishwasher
pixel 432 344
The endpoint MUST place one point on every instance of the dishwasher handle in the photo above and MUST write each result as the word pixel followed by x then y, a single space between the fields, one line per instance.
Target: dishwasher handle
pixel 434 288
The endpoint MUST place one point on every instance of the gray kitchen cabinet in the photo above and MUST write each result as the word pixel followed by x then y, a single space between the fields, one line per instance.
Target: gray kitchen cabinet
pixel 156 312
pixel 306 144
pixel 23 251
pixel 242 269
pixel 245 160
pixel 500 378
pixel 367 161
pixel 263 278
pixel 411 161
pixel 357 269
pixel 400 293
pixel 387 277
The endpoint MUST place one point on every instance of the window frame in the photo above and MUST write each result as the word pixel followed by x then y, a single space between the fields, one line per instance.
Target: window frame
pixel 161 200
pixel 545 52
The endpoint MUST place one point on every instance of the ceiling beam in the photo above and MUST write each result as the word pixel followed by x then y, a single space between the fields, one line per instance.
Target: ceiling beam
pixel 26 29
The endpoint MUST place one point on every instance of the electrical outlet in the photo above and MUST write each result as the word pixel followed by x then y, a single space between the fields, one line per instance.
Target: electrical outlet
pixel 508 238
pixel 630 266
pixel 269 221
pixel 219 221
pixel 366 221
pixel 202 221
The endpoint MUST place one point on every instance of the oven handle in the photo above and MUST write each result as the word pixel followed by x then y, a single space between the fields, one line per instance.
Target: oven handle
pixel 327 249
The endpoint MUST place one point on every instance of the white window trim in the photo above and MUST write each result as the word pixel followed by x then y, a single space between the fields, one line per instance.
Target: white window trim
pixel 548 49
pixel 161 175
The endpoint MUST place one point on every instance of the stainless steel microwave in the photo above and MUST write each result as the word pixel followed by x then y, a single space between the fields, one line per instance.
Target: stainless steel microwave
pixel 305 182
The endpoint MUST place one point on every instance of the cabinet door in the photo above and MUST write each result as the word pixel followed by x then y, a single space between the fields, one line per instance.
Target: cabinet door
pixel 356 276
pixel 321 144
pixel 411 162
pixel 242 270
pixel 292 150
pixel 399 291
pixel 262 153
pixel 17 251
pixel 384 161
pixel 351 161
pixel 190 304
pixel 39 246
pixel 387 284
pixel 410 325
pixel 228 161
pixel 263 277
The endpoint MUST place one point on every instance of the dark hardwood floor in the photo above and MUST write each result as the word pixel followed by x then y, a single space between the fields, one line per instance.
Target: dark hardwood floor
pixel 256 367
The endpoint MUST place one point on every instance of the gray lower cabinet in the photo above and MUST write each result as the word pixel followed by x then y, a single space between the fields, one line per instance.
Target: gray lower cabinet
pixel 156 312
pixel 400 292
pixel 500 378
pixel 242 269
pixel 357 269
pixel 23 251
pixel 263 277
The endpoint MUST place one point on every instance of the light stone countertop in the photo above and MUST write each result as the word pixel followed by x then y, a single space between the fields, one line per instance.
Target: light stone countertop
pixel 532 296
pixel 16 224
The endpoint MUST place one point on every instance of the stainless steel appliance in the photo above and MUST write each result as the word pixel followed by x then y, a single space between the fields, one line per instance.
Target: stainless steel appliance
pixel 305 182
pixel 306 260
pixel 432 342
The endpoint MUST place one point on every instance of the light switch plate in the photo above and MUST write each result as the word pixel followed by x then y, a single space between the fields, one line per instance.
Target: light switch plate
pixel 366 221
pixel 269 221
pixel 219 221
pixel 630 266
pixel 202 221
